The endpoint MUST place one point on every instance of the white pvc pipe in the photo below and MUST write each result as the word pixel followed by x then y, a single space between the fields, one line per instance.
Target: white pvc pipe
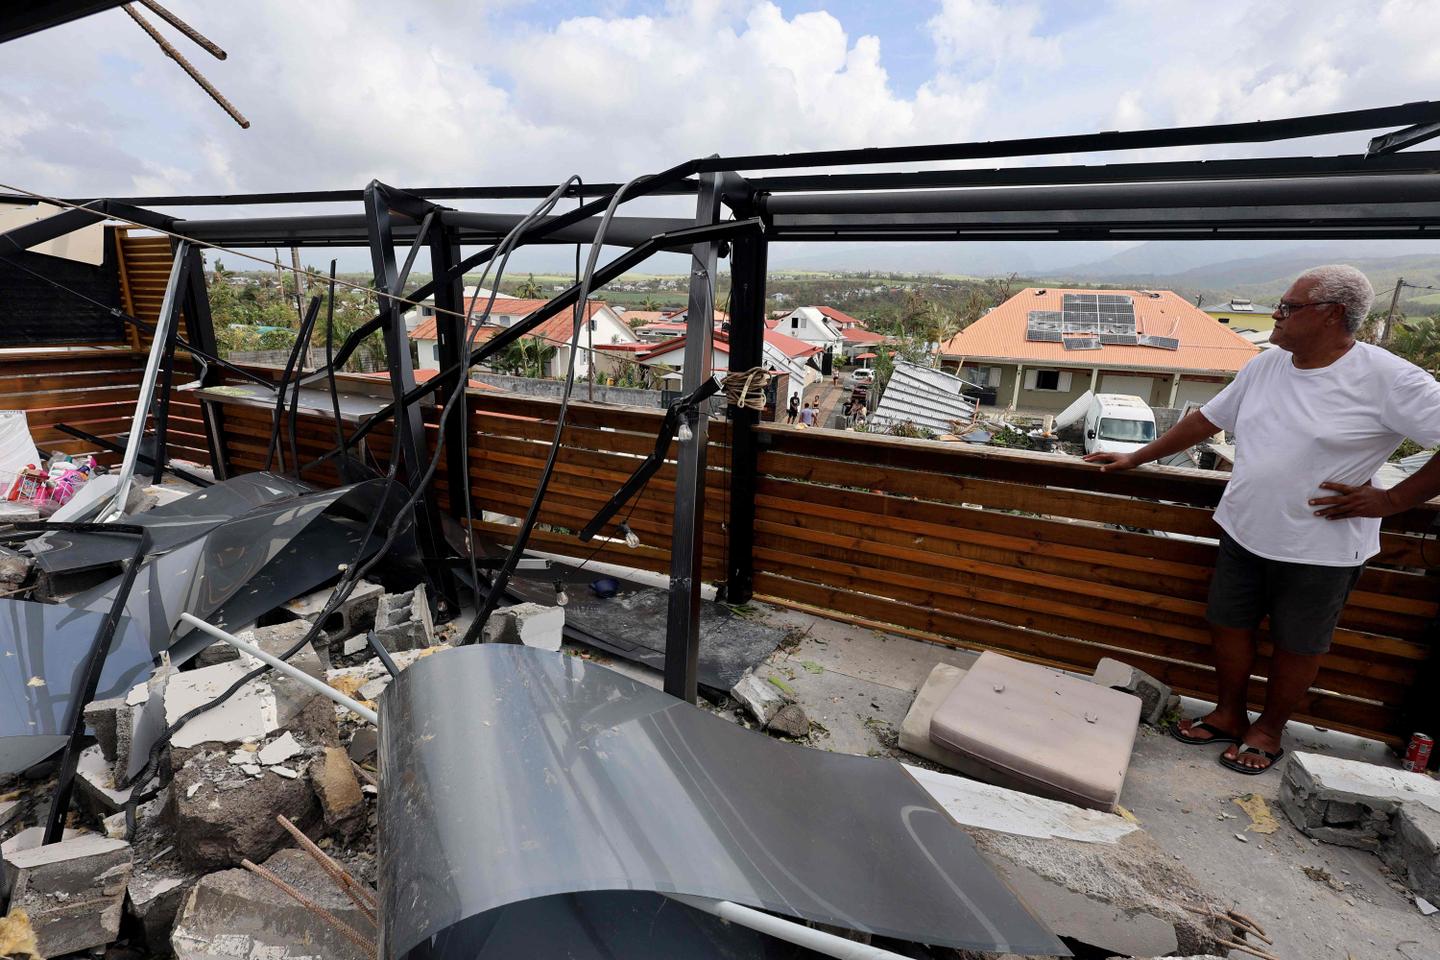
pixel 787 930
pixel 319 686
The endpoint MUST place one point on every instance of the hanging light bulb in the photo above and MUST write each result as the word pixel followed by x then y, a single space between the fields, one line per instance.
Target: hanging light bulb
pixel 685 434
pixel 632 539
pixel 561 597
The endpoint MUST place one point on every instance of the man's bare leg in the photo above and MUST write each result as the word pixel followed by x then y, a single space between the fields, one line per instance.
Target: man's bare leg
pixel 1234 651
pixel 1291 675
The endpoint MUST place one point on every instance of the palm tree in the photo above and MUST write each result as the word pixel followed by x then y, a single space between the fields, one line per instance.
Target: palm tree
pixel 529 289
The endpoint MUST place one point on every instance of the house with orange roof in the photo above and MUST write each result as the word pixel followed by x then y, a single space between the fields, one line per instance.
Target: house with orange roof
pixel 601 326
pixel 1042 348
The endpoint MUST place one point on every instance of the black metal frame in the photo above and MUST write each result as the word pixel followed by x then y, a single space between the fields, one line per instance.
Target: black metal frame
pixel 1383 193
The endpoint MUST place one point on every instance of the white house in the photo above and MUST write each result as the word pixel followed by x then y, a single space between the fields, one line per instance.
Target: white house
pixel 602 326
pixel 812 325
pixel 417 315
pixel 783 353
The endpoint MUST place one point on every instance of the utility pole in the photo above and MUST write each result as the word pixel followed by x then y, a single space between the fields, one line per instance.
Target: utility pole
pixel 1390 317
pixel 299 284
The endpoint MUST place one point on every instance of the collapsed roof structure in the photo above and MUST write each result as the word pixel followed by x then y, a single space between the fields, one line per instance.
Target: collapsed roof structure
pixel 1380 193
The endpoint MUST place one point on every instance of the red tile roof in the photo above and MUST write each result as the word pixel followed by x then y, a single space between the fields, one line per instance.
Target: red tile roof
pixel 837 315
pixel 558 327
pixel 861 335
pixel 792 347
pixel 1205 343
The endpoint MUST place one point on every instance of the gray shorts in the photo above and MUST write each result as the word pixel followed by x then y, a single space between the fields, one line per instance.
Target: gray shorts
pixel 1303 600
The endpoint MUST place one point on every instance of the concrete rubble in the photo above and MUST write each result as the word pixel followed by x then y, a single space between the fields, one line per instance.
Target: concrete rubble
pixel 235 913
pixel 73 891
pixel 769 705
pixel 531 624
pixel 1157 700
pixel 402 620
pixel 1353 804
pixel 354 616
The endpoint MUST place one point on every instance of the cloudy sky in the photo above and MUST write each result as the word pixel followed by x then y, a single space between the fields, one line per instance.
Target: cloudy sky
pixel 441 92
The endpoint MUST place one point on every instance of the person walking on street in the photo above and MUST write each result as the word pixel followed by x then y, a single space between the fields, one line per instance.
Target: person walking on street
pixel 794 408
pixel 807 415
pixel 1313 421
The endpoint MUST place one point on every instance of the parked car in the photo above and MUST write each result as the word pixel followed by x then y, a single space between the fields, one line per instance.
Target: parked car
pixel 863 375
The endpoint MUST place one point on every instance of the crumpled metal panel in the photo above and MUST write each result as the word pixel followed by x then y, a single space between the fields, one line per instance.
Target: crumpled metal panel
pixel 43 650
pixel 231 574
pixel 168 525
pixel 509 774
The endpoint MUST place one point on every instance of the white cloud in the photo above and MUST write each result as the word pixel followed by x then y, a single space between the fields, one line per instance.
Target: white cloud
pixel 977 36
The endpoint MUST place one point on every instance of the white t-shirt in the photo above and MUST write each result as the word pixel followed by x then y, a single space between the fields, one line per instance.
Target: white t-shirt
pixel 1295 429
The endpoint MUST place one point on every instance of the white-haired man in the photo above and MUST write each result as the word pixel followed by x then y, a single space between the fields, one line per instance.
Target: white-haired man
pixel 1313 421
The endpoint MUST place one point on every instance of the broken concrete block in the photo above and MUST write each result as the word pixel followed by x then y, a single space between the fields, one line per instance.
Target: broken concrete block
pixel 1412 849
pixel 279 750
pixel 12 810
pixel 1348 802
pixel 355 615
pixel 103 718
pixel 790 721
pixel 531 624
pixel 364 744
pixel 237 914
pixel 155 902
pixel 260 708
pixel 760 698
pixel 73 891
pixel 96 783
pixel 221 815
pixel 14 568
pixel 403 622
pixel 1156 698
pixel 341 803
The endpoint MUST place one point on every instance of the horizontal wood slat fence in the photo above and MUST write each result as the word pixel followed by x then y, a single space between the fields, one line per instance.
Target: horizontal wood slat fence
pixel 1036 557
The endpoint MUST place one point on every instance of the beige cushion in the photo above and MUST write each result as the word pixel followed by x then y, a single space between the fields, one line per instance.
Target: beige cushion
pixel 1038 729
pixel 915 728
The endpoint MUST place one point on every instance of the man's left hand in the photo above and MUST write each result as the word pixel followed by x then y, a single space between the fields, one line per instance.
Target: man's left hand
pixel 1361 501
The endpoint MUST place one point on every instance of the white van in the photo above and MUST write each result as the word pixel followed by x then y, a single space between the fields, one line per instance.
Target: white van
pixel 1117 423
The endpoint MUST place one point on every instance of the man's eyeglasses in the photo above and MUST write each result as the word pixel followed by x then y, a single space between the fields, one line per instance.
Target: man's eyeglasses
pixel 1286 308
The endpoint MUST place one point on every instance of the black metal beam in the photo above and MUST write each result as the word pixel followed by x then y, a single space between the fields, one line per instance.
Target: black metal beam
pixel 687 538
pixel 200 331
pixel 747 351
pixel 51 228
pixel 1391 142
pixel 31 16
pixel 1150 172
pixel 518 192
pixel 410 426
pixel 452 337
pixel 1259 131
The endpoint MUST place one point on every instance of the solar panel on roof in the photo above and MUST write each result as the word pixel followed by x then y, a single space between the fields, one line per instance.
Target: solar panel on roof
pixel 1043 336
pixel 1119 339
pixel 1082 343
pixel 1164 343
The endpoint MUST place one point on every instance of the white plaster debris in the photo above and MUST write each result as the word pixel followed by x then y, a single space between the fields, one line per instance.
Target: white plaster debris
pixel 987 807
pixel 285 772
pixel 1343 779
pixel 279 750
pixel 1426 907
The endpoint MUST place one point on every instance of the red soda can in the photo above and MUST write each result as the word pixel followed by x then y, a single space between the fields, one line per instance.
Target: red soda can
pixel 1417 755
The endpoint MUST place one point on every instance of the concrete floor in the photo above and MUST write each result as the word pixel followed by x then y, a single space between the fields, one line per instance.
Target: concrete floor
pixel 858 683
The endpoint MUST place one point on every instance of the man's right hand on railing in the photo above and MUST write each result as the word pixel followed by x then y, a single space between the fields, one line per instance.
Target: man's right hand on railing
pixel 1112 462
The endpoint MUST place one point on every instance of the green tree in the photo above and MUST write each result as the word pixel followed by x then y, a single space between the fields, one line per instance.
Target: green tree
pixel 529 289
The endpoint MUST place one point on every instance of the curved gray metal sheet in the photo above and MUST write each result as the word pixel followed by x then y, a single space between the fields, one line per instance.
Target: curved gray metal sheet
pixel 509 774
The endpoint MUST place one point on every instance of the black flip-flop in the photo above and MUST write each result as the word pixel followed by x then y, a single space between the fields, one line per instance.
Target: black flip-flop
pixel 1216 734
pixel 1245 748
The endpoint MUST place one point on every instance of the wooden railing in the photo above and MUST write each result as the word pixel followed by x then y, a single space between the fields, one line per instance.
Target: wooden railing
pixel 1040 557
pixel 1048 559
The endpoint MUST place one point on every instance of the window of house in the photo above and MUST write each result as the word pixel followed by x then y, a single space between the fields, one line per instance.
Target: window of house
pixel 435 352
pixel 797 323
pixel 1052 380
pixel 594 324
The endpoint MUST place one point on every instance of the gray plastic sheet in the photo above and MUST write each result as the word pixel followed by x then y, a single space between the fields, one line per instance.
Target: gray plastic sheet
pixel 230 575
pixel 169 525
pixel 510 774
pixel 43 650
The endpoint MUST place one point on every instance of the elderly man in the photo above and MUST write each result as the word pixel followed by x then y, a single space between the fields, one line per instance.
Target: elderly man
pixel 1313 421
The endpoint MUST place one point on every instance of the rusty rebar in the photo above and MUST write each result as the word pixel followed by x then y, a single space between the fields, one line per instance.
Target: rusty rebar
pixel 195 36
pixel 348 932
pixel 358 893
pixel 185 65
